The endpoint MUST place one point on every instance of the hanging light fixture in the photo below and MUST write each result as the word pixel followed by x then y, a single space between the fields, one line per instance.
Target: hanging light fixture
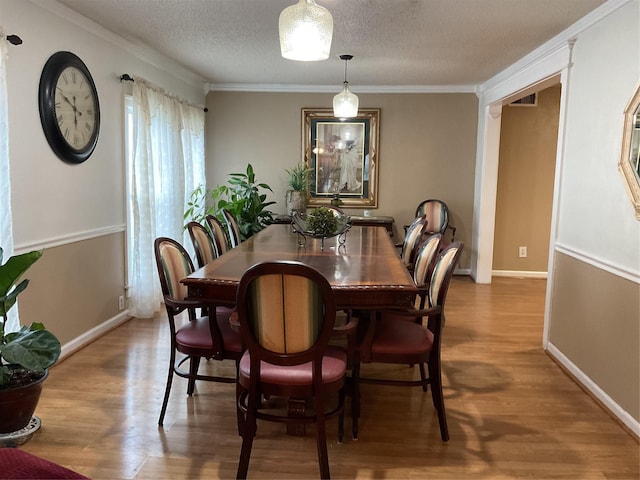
pixel 305 31
pixel 345 104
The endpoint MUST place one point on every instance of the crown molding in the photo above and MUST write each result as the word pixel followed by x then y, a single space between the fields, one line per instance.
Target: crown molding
pixel 560 42
pixel 142 52
pixel 281 88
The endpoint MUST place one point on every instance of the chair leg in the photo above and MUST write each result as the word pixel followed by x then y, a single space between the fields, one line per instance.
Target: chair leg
pixel 167 389
pixel 321 439
pixel 341 396
pixel 355 397
pixel 423 378
pixel 239 413
pixel 438 399
pixel 248 433
pixel 193 371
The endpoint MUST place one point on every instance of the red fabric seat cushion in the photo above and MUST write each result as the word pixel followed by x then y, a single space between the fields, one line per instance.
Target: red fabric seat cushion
pixel 397 336
pixel 334 366
pixel 197 334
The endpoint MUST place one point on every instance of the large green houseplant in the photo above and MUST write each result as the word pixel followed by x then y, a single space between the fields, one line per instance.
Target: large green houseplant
pixel 25 355
pixel 241 196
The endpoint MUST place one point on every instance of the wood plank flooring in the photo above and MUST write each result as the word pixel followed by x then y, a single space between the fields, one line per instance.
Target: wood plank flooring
pixel 512 412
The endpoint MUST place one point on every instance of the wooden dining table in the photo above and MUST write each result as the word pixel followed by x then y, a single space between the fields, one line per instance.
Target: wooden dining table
pixel 365 272
pixel 363 267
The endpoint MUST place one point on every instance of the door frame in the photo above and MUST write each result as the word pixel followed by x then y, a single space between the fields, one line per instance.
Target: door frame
pixel 515 82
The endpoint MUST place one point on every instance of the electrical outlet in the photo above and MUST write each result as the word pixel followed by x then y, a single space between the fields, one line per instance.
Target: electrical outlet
pixel 121 302
pixel 522 252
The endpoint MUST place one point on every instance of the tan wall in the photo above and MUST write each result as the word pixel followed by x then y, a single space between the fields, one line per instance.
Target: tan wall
pixel 528 139
pixel 74 288
pixel 427 147
pixel 595 325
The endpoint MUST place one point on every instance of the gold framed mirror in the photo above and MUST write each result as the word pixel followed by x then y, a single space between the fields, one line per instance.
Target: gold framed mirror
pixel 343 157
pixel 629 164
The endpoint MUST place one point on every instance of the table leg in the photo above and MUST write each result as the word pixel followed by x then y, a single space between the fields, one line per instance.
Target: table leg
pixel 297 408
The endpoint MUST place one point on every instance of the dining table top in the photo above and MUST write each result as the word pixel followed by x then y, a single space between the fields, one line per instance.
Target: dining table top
pixel 362 266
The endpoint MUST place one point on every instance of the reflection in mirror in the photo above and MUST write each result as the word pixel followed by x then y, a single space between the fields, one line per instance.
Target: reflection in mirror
pixel 629 164
pixel 634 157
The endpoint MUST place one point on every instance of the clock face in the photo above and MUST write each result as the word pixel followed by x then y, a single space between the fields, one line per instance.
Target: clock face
pixel 75 108
pixel 69 108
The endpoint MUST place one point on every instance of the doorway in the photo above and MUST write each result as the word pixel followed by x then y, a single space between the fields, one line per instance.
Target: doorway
pixel 524 199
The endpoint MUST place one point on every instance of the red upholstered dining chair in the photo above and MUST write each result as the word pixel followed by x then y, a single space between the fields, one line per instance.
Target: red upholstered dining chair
pixel 220 241
pixel 201 336
pixel 437 213
pixel 390 338
pixel 233 229
pixel 412 240
pixel 425 261
pixel 286 314
pixel 206 251
pixel 202 243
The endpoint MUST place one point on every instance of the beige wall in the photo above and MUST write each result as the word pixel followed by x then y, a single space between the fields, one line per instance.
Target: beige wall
pixel 528 140
pixel 597 328
pixel 74 288
pixel 595 290
pixel 427 147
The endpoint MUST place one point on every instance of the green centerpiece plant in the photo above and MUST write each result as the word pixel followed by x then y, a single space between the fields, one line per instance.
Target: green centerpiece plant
pixel 321 221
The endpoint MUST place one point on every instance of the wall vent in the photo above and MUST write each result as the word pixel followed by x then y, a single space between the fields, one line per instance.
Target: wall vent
pixel 527 101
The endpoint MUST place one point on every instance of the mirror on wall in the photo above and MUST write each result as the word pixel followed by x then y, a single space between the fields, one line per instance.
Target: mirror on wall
pixel 630 158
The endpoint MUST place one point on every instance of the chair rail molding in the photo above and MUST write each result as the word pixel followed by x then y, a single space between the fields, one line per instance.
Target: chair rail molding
pixel 67 239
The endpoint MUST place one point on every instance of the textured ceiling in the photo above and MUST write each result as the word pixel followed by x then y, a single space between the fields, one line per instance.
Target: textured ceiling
pixel 394 42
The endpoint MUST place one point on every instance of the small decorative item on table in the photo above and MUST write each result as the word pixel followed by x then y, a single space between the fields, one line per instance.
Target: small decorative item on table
pixel 321 223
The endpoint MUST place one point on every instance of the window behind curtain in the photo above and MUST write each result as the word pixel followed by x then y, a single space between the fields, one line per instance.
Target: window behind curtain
pixel 6 226
pixel 165 163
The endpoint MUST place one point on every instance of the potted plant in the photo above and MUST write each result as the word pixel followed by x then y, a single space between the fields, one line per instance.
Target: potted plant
pixel 242 197
pixel 296 197
pixel 25 355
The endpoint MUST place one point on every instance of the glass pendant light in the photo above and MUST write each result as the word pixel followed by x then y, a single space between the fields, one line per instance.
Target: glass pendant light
pixel 345 104
pixel 305 31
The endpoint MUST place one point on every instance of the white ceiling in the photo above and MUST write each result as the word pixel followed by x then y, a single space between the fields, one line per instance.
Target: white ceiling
pixel 394 42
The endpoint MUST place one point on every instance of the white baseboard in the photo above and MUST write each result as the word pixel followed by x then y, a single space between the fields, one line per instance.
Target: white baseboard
pixel 518 274
pixel 595 390
pixel 86 338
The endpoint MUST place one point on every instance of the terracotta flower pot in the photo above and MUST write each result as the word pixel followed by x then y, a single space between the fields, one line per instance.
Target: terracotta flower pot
pixel 17 405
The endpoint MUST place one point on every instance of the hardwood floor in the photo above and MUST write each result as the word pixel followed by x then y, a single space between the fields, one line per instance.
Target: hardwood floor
pixel 512 412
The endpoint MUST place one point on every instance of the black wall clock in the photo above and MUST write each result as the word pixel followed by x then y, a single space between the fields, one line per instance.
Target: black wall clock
pixel 69 108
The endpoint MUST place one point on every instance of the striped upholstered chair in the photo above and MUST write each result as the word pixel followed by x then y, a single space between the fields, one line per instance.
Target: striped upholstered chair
pixel 218 236
pixel 437 214
pixel 389 338
pixel 202 243
pixel 286 314
pixel 233 230
pixel 201 336
pixel 206 251
pixel 424 264
pixel 412 240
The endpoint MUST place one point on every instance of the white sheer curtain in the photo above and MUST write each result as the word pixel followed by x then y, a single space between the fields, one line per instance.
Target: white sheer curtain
pixel 167 164
pixel 6 228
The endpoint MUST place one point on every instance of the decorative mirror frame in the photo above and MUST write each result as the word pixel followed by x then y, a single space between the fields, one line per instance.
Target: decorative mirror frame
pixel 319 122
pixel 632 180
